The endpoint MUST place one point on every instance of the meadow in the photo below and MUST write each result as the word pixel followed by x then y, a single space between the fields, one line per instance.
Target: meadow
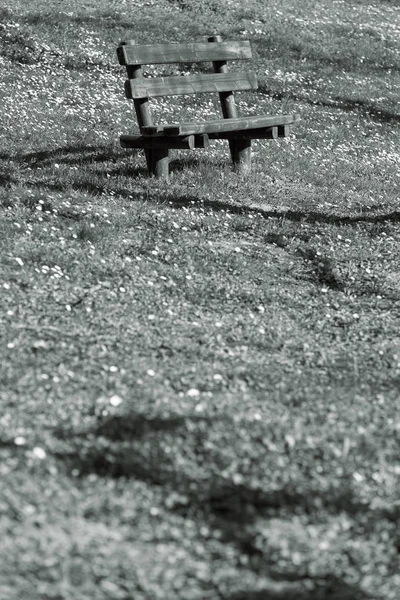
pixel 200 380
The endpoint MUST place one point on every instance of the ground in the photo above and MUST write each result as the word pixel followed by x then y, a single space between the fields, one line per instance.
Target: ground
pixel 200 380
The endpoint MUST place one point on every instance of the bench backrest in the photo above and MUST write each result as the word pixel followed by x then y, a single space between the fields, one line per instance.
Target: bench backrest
pixel 140 89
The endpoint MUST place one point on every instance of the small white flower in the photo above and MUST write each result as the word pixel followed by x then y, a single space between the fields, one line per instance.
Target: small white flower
pixel 19 440
pixel 39 453
pixel 115 400
pixel 193 393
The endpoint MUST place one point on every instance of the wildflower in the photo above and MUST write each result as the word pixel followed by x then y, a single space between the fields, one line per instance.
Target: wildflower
pixel 39 453
pixel 19 440
pixel 115 400
pixel 193 393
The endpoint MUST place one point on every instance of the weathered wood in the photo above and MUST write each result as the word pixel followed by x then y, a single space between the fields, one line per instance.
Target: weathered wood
pixel 191 84
pixel 160 163
pixel 284 130
pixel 241 155
pixel 142 107
pixel 226 98
pixel 270 133
pixel 157 142
pixel 221 125
pixel 182 53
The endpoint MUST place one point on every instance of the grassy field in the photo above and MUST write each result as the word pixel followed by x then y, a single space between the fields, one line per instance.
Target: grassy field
pixel 200 381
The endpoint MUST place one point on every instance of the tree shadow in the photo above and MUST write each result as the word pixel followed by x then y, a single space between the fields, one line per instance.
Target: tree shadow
pixel 276 44
pixel 81 154
pixel 134 446
pixel 5 180
pixel 291 215
pixel 333 589
pixel 113 457
pixel 366 109
pixel 106 19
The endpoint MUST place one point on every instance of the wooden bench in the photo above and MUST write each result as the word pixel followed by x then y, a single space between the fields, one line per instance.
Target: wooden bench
pixel 157 140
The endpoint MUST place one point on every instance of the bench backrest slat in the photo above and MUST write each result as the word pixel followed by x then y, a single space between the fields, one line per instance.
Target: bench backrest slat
pixel 190 84
pixel 131 54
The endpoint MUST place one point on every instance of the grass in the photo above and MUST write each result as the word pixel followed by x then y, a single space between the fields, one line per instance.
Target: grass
pixel 200 381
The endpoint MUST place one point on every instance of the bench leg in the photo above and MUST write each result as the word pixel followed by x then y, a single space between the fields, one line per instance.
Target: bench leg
pixel 147 154
pixel 241 155
pixel 158 162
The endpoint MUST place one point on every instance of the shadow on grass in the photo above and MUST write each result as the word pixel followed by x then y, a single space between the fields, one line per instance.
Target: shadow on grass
pixel 81 154
pixel 99 155
pixel 291 215
pixel 114 447
pixel 78 154
pixel 153 450
pixel 102 19
pixel 5 180
pixel 366 109
pixel 330 590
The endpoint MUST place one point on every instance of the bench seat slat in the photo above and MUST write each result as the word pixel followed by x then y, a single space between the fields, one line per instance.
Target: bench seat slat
pixel 188 142
pixel 190 84
pixel 187 53
pixel 221 125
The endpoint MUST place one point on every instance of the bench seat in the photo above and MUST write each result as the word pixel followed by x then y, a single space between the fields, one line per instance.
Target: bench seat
pixel 219 126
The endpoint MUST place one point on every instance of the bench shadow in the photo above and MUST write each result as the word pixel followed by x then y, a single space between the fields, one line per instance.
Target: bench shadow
pixel 134 446
pixel 70 154
pixel 82 154
pixel 79 154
